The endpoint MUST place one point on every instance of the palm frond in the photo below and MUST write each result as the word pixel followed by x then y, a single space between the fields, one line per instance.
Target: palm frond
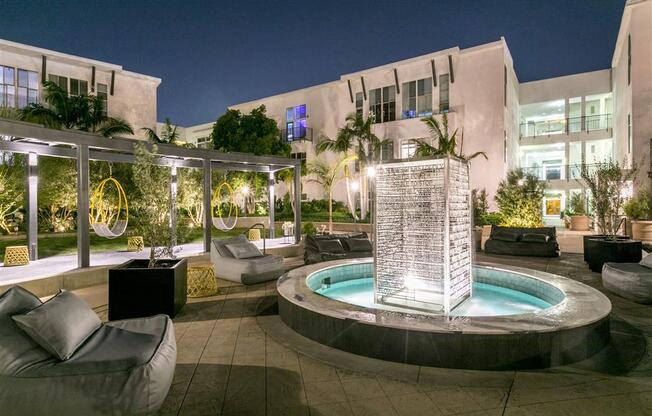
pixel 151 135
pixel 36 113
pixel 114 126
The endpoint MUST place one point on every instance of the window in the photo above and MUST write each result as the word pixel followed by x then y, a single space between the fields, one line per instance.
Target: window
pixel 301 156
pixel 382 104
pixel 78 87
pixel 629 59
pixel 505 86
pixel 27 88
pixel 443 93
pixel 408 147
pixel 296 123
pixel 103 97
pixel 59 80
pixel 7 87
pixel 359 104
pixel 552 204
pixel 629 133
pixel 417 98
pixel 387 151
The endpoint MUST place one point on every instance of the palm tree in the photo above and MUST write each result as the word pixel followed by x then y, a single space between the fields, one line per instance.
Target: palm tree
pixel 328 176
pixel 84 112
pixel 168 135
pixel 356 135
pixel 446 144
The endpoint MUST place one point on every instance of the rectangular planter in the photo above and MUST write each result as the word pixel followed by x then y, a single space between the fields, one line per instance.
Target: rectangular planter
pixel 136 291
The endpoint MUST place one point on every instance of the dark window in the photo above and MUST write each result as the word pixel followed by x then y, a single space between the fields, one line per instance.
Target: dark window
pixel 7 86
pixel 78 87
pixel 389 103
pixel 103 96
pixel 629 133
pixel 443 93
pixel 505 86
pixel 359 104
pixel 62 82
pixel 27 88
pixel 387 151
pixel 629 59
pixel 375 105
pixel 301 156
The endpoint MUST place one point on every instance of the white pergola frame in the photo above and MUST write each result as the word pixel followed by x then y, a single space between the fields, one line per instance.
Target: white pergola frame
pixel 36 140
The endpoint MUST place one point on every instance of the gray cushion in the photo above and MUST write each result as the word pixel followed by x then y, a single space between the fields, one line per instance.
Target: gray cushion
pixel 534 238
pixel 629 280
pixel 505 236
pixel 647 261
pixel 60 325
pixel 330 246
pixel 220 244
pixel 243 250
pixel 17 300
pixel 358 245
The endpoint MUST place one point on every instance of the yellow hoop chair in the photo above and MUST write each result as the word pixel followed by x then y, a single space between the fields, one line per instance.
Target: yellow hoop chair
pixel 219 222
pixel 105 223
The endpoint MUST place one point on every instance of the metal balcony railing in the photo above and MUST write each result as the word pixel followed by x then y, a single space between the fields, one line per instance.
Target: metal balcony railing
pixel 558 172
pixel 566 125
pixel 296 134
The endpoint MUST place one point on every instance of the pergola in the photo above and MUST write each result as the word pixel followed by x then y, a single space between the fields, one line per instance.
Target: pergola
pixel 35 140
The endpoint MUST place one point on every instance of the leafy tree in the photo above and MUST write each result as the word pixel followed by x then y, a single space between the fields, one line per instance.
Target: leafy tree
pixel 328 176
pixel 168 135
pixel 190 196
pixel 57 196
pixel 638 207
pixel 519 198
pixel 11 195
pixel 356 137
pixel 480 206
pixel 83 112
pixel 446 144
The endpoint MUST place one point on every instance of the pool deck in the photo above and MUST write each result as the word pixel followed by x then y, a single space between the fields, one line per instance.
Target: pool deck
pixel 236 357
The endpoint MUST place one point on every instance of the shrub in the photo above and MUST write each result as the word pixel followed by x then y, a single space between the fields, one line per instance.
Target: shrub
pixel 577 205
pixel 638 208
pixel 520 198
pixel 308 228
pixel 492 218
pixel 480 206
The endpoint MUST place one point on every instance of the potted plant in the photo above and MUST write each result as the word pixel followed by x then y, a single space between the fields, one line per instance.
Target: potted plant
pixel 480 207
pixel 156 285
pixel 579 221
pixel 606 182
pixel 639 212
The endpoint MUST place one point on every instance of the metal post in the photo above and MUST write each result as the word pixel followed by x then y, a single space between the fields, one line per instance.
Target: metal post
pixel 83 234
pixel 208 209
pixel 32 205
pixel 270 198
pixel 297 204
pixel 173 206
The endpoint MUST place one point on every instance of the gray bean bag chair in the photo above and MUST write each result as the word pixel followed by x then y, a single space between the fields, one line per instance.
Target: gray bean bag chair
pixel 238 260
pixel 632 281
pixel 123 367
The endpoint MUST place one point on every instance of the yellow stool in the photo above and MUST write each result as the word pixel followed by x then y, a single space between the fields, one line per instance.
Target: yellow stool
pixel 135 243
pixel 254 234
pixel 16 255
pixel 201 281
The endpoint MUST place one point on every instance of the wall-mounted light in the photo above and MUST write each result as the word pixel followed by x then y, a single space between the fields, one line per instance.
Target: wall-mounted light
pixel 355 185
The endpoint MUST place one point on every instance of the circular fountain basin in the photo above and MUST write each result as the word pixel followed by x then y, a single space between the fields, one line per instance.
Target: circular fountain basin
pixel 517 318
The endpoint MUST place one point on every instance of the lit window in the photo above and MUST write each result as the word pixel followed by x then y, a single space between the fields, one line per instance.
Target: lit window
pixel 103 97
pixel 7 87
pixel 296 123
pixel 27 88
pixel 78 87
pixel 408 148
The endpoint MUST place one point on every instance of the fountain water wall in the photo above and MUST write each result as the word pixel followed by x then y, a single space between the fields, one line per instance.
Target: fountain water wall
pixel 423 233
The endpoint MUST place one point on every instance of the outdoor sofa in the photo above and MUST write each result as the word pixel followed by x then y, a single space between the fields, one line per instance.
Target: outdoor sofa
pixel 238 260
pixel 519 241
pixel 318 248
pixel 632 281
pixel 57 358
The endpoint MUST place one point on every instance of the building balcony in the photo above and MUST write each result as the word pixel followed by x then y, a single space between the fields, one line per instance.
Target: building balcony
pixel 569 125
pixel 297 134
pixel 558 172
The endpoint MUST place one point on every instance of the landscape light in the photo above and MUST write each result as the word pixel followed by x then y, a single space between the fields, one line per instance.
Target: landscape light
pixel 244 189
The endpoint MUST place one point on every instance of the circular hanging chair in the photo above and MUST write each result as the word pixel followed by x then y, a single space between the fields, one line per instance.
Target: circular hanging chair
pixel 219 221
pixel 105 222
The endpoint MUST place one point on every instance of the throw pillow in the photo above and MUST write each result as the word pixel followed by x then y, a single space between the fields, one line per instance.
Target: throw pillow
pixel 17 300
pixel 243 250
pixel 647 261
pixel 535 238
pixel 60 325
pixel 505 236
pixel 358 245
pixel 330 246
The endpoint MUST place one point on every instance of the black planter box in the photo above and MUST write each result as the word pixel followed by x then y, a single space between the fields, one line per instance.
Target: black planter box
pixel 136 291
pixel 600 251
pixel 598 237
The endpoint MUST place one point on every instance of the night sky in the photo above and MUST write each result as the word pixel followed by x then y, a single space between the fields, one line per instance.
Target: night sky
pixel 211 54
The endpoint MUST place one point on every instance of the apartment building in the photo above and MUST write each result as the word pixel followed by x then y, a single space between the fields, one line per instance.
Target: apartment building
pixel 126 94
pixel 548 127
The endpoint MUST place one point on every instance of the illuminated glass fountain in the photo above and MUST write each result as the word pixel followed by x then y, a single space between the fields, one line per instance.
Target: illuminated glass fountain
pixel 423 234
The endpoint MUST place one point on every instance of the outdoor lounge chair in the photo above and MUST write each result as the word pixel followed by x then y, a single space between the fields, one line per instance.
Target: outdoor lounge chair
pixel 121 367
pixel 632 281
pixel 248 265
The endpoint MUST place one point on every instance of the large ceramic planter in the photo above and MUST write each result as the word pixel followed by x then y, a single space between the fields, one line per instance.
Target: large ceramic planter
pixel 136 291
pixel 599 251
pixel 586 238
pixel 579 223
pixel 642 230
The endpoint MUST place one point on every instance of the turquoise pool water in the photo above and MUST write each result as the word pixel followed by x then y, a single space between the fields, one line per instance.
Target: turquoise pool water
pixel 487 299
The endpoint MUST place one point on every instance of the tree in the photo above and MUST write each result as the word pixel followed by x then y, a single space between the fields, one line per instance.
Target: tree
pixel 152 203
pixel 356 137
pixel 57 196
pixel 446 143
pixel 606 182
pixel 84 112
pixel 191 195
pixel 520 198
pixel 327 176
pixel 11 195
pixel 168 135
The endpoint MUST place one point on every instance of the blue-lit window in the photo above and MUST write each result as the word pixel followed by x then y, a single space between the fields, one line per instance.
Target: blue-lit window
pixel 417 98
pixel 296 122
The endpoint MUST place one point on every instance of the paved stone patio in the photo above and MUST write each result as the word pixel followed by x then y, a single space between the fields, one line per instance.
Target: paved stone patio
pixel 235 357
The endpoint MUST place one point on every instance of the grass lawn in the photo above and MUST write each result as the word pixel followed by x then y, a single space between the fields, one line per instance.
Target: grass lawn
pixel 67 244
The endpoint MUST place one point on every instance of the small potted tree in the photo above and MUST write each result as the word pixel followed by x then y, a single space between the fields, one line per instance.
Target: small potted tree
pixel 639 212
pixel 579 221
pixel 156 285
pixel 606 182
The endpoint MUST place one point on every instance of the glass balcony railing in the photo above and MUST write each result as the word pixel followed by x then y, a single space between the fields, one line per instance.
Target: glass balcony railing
pixel 558 172
pixel 566 125
pixel 296 134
